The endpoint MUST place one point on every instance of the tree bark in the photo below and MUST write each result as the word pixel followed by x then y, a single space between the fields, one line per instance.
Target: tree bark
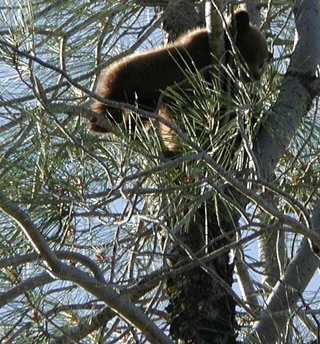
pixel 201 309
pixel 297 92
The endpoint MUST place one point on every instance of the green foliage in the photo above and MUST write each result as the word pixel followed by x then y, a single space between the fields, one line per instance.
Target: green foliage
pixel 111 199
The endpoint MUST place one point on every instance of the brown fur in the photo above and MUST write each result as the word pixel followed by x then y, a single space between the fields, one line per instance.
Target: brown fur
pixel 141 77
pixel 250 43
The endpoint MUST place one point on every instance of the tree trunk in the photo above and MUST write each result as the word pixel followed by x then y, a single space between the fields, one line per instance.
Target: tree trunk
pixel 201 309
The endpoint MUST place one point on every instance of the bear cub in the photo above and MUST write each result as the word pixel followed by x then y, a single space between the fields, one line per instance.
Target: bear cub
pixel 141 77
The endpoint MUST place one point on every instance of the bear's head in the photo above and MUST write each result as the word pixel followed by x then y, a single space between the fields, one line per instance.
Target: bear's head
pixel 250 43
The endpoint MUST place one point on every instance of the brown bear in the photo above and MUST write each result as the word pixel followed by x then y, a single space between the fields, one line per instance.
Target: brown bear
pixel 140 78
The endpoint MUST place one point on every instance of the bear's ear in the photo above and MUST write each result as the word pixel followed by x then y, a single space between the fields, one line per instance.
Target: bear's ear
pixel 242 20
